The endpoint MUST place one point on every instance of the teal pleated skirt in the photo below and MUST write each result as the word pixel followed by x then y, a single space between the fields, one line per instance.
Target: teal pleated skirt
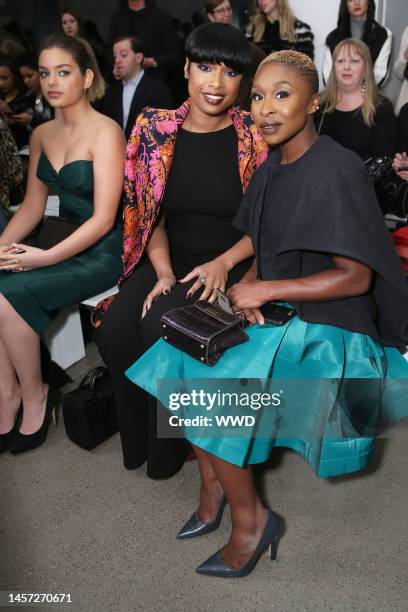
pixel 330 389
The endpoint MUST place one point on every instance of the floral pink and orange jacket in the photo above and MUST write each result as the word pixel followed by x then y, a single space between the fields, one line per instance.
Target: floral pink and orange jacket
pixel 148 161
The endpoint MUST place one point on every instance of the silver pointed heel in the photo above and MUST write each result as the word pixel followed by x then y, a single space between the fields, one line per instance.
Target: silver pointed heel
pixel 195 528
pixel 215 565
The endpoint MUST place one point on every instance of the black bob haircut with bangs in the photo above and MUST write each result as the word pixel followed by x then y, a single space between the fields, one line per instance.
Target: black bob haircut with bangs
pixel 219 43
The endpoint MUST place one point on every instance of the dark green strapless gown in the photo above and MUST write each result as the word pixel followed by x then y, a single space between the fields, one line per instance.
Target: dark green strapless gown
pixel 38 295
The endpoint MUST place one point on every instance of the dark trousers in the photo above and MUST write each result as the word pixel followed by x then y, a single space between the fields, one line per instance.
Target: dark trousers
pixel 122 339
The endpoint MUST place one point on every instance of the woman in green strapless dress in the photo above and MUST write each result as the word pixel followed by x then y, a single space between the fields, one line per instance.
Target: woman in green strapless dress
pixel 80 157
pixel 37 295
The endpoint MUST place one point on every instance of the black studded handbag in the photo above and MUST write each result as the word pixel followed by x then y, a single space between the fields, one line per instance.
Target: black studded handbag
pixel 89 411
pixel 203 330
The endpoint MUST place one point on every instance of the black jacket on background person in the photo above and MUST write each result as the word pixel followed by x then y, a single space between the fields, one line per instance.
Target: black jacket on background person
pixel 403 130
pixel 154 27
pixel 24 102
pixel 149 92
pixel 271 40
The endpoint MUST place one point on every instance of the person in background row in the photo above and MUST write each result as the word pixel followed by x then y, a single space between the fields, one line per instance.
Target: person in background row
pixel 401 70
pixel 125 99
pixel 352 110
pixel 274 27
pixel 186 170
pixel 220 11
pixel 42 111
pixel 16 102
pixel 356 20
pixel 71 23
pixel 403 129
pixel 10 44
pixel 401 158
pixel 11 173
pixel 154 26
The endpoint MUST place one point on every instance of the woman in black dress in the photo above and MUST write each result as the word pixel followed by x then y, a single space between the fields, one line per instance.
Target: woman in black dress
pixel 177 218
pixel 352 110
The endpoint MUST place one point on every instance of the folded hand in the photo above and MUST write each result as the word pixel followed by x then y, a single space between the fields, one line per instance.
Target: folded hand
pixel 21 257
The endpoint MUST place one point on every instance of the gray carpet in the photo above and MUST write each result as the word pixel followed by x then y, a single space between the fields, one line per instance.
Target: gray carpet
pixel 77 522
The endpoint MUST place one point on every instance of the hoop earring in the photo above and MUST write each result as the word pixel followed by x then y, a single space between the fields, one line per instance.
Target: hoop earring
pixel 364 85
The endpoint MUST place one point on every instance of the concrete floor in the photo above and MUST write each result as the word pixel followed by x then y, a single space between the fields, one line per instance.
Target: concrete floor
pixel 76 522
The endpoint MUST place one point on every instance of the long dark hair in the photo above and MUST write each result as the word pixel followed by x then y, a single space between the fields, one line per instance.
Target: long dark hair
pixel 83 55
pixel 75 15
pixel 343 29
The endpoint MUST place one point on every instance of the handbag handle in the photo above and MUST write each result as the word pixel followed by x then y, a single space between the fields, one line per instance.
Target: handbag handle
pixel 92 378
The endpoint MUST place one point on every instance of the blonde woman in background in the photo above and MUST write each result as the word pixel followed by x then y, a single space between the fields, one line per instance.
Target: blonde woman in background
pixel 352 110
pixel 274 27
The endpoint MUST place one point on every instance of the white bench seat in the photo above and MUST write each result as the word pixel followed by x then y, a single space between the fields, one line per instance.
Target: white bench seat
pixel 64 336
pixel 93 301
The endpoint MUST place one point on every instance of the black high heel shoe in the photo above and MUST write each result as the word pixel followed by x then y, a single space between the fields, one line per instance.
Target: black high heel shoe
pixel 215 566
pixel 6 439
pixel 26 442
pixel 195 528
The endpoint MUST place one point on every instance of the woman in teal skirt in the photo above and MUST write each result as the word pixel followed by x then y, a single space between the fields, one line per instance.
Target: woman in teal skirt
pixel 79 156
pixel 333 372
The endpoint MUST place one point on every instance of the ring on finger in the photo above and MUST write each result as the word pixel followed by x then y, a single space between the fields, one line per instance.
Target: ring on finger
pixel 202 281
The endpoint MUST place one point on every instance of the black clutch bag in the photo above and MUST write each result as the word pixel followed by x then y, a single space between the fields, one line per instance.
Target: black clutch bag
pixel 90 412
pixel 203 330
pixel 51 231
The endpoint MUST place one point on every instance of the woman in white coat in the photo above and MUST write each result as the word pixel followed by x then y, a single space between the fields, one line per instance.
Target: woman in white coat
pixel 400 67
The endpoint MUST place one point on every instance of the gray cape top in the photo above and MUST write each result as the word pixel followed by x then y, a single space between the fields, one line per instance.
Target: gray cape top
pixel 300 214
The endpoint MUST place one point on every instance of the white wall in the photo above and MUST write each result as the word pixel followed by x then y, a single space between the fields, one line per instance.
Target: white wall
pixel 321 15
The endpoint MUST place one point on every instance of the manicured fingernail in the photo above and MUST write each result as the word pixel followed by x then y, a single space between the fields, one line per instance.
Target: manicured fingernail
pixel 166 292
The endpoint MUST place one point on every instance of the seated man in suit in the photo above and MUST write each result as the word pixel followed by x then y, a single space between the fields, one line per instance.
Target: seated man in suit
pixel 134 90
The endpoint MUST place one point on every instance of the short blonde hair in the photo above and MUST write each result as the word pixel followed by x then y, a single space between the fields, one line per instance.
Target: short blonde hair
pixel 372 95
pixel 295 60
